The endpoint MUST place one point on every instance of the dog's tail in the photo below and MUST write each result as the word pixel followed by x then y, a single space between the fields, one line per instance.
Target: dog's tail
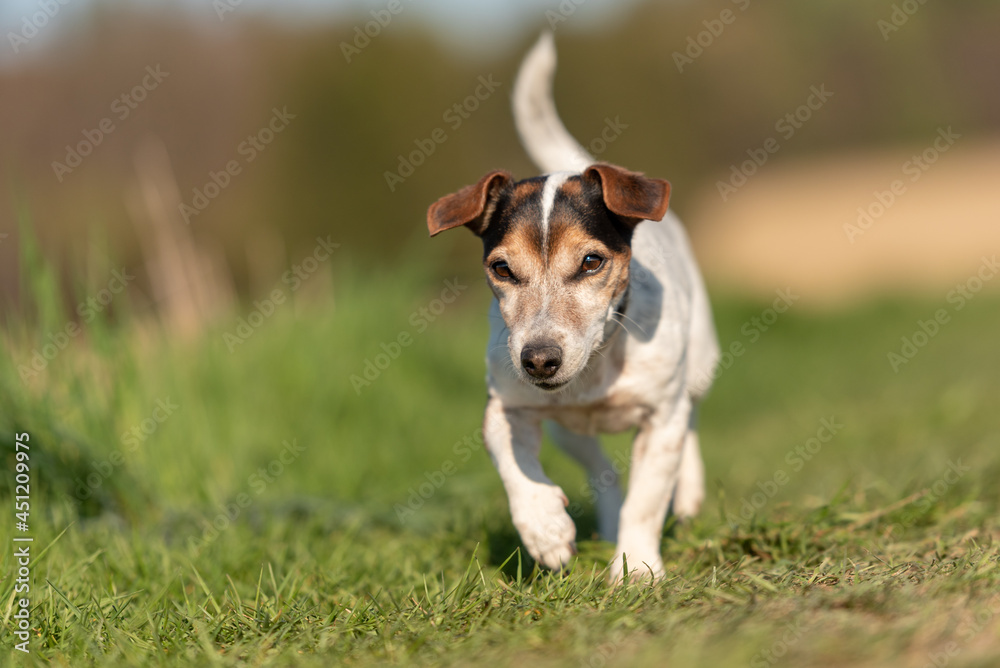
pixel 545 138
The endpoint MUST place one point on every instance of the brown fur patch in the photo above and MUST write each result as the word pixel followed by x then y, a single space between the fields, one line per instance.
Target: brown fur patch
pixel 516 225
pixel 470 206
pixel 522 249
pixel 630 194
pixel 572 188
pixel 525 190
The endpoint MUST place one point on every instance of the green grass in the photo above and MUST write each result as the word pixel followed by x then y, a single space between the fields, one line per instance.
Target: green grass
pixel 867 554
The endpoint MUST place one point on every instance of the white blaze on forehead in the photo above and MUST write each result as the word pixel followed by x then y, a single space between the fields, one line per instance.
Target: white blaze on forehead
pixel 552 184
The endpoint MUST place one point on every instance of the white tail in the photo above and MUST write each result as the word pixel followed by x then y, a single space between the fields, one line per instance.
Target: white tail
pixel 545 138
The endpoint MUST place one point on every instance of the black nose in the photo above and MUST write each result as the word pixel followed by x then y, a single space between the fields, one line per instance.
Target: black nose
pixel 541 360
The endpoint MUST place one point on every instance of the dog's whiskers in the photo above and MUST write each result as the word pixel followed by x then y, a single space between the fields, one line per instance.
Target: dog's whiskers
pixel 620 324
pixel 632 321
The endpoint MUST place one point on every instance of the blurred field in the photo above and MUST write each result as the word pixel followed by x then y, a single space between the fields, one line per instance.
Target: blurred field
pixel 868 553
pixel 832 226
pixel 354 121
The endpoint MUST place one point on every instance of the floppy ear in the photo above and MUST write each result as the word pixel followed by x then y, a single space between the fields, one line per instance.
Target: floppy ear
pixel 630 194
pixel 471 206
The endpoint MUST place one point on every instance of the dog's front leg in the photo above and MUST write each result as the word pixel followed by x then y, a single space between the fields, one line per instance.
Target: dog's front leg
pixel 537 506
pixel 656 459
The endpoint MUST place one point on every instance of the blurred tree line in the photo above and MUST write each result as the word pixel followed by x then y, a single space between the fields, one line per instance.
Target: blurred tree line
pixel 408 97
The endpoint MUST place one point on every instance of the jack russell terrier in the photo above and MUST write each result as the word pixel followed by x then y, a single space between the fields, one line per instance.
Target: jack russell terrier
pixel 600 323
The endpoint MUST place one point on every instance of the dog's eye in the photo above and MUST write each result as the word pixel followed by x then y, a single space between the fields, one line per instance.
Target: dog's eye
pixel 591 264
pixel 501 269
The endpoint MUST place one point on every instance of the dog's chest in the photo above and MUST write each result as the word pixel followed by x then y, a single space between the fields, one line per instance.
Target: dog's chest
pixel 623 402
pixel 603 417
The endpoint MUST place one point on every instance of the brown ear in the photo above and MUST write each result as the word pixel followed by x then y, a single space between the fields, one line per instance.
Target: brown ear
pixel 470 206
pixel 630 194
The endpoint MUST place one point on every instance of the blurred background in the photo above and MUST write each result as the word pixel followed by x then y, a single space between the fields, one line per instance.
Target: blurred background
pixel 231 341
pixel 681 90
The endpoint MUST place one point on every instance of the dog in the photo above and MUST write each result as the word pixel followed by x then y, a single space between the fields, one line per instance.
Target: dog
pixel 600 324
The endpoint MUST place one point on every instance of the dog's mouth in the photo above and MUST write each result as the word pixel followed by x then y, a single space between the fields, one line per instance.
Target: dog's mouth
pixel 548 386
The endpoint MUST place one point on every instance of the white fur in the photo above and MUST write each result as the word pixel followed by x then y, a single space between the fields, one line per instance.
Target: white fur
pixel 544 136
pixel 552 184
pixel 650 376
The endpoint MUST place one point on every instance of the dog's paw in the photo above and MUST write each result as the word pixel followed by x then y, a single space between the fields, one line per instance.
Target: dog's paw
pixel 548 532
pixel 642 563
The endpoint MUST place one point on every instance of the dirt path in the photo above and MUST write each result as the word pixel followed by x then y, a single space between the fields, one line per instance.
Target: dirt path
pixel 797 224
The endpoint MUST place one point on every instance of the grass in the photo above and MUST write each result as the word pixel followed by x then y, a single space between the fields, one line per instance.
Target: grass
pixel 188 550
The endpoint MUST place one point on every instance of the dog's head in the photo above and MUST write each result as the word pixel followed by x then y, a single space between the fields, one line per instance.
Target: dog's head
pixel 556 251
